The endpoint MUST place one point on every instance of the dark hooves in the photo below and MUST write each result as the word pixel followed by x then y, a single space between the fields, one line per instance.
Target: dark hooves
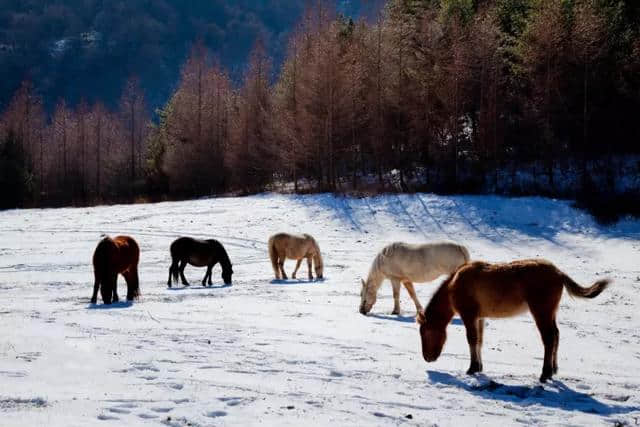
pixel 474 369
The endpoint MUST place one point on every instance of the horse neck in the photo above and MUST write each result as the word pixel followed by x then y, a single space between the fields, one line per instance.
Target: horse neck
pixel 225 262
pixel 439 311
pixel 375 277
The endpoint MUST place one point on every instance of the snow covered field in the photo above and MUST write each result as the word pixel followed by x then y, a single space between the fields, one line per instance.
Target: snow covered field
pixel 265 352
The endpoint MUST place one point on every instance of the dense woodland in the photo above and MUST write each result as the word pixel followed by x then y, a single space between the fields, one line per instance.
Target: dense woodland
pixel 502 96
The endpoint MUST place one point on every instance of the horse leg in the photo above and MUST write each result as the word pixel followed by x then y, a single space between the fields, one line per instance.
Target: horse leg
pixel 207 275
pixel 414 297
pixel 276 265
pixel 293 276
pixel 183 264
pixel 210 268
pixel 96 286
pixel 281 266
pixel 115 289
pixel 480 339
pixel 131 277
pixel 549 333
pixel 309 266
pixel 172 268
pixel 555 348
pixel 472 324
pixel 395 285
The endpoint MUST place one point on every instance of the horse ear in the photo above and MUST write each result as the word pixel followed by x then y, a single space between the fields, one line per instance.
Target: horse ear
pixel 420 319
pixel 363 283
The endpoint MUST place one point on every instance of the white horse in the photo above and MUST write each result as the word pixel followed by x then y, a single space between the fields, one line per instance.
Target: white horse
pixel 404 263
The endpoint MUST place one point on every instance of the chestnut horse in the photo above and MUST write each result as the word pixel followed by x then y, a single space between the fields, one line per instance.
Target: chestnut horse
pixel 294 246
pixel 479 290
pixel 119 255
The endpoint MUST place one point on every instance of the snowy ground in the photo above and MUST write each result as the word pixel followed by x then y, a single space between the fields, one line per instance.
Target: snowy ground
pixel 261 352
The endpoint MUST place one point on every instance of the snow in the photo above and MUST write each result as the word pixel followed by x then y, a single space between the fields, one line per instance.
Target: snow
pixel 267 352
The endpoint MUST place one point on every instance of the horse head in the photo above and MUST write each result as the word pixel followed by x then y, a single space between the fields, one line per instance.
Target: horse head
pixel 367 299
pixel 317 259
pixel 432 338
pixel 226 275
pixel 106 291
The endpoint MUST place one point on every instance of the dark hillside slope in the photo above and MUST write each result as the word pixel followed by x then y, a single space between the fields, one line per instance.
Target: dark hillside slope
pixel 88 48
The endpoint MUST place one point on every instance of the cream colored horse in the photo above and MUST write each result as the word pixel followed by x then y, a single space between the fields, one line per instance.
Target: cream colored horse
pixel 404 263
pixel 294 246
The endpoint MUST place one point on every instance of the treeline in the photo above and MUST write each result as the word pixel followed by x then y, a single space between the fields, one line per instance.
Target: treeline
pixel 80 155
pixel 513 96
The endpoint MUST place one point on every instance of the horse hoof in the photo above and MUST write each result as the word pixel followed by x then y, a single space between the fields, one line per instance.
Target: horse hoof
pixel 474 368
pixel 544 377
pixel 94 300
pixel 396 312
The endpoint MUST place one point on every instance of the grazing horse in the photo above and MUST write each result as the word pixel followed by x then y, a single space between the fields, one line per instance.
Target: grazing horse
pixel 119 255
pixel 294 246
pixel 407 264
pixel 199 253
pixel 479 290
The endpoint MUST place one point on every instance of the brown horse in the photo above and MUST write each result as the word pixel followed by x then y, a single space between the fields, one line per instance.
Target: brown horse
pixel 119 255
pixel 294 246
pixel 479 290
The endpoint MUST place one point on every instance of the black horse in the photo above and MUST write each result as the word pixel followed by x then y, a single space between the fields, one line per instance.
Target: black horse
pixel 199 253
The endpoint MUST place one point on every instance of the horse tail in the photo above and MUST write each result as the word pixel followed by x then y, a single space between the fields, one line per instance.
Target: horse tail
pixel 465 253
pixel 273 254
pixel 576 290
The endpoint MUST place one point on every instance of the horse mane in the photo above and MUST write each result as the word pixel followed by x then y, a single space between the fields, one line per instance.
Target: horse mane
pixel 225 262
pixel 439 311
pixel 375 271
pixel 465 253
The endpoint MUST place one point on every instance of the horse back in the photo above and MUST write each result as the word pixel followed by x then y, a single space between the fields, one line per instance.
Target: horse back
pixel 504 290
pixel 420 262
pixel 293 246
pixel 119 253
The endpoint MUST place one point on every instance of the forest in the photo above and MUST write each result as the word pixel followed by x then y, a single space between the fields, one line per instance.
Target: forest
pixel 494 96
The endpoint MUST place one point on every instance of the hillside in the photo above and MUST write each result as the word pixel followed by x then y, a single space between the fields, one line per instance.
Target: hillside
pixel 262 352
pixel 76 49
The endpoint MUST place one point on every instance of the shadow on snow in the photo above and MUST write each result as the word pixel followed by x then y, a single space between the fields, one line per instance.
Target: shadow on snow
pixel 112 306
pixel 197 288
pixel 554 394
pixel 290 282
